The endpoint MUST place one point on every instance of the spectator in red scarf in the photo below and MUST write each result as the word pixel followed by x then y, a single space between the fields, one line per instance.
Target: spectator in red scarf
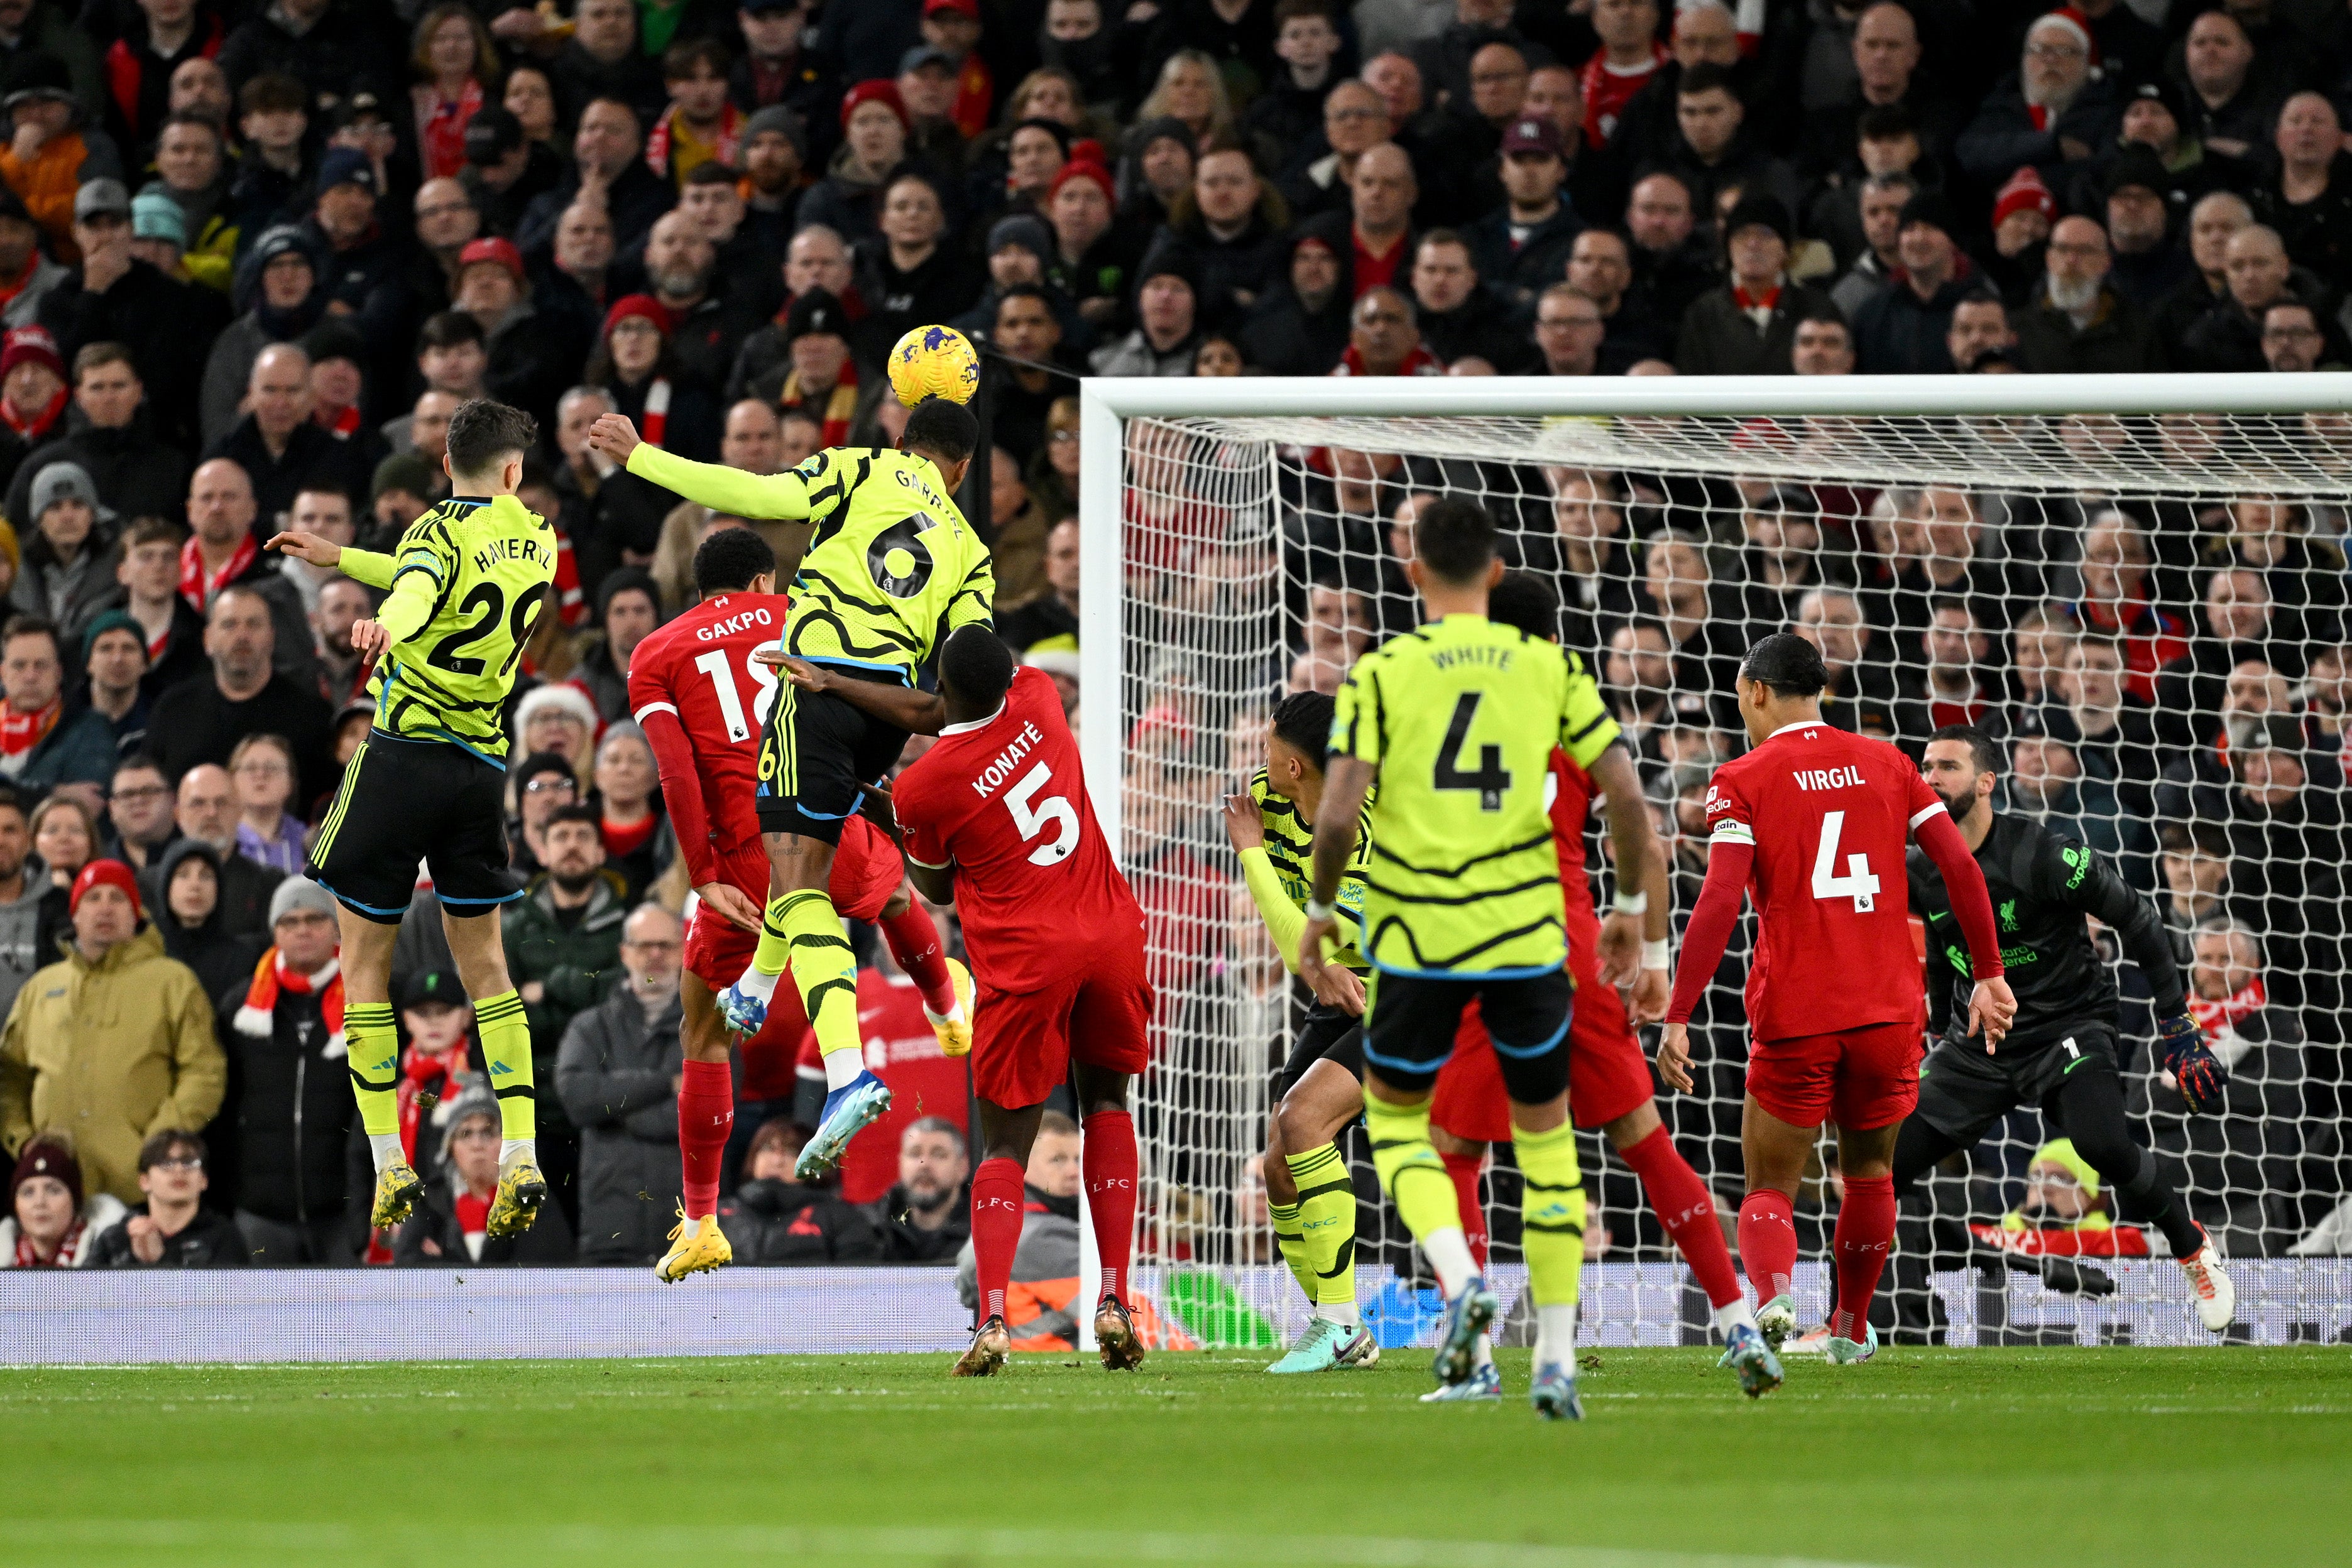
pixel 455 60
pixel 1748 327
pixel 450 1227
pixel 49 1225
pixel 32 385
pixel 434 1074
pixel 701 126
pixel 824 378
pixel 1629 55
pixel 40 748
pixel 2115 601
pixel 634 365
pixel 1384 339
pixel 283 1033
pixel 952 28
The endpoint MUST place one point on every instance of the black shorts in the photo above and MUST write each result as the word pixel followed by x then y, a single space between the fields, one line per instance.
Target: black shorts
pixel 1325 1034
pixel 816 758
pixel 402 801
pixel 1963 1092
pixel 1411 1023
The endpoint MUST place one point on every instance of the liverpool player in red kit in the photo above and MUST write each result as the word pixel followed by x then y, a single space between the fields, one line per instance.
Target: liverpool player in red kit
pixel 1608 1080
pixel 1816 821
pixel 700 697
pixel 996 817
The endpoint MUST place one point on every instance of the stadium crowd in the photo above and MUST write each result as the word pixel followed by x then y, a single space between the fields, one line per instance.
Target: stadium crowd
pixel 252 258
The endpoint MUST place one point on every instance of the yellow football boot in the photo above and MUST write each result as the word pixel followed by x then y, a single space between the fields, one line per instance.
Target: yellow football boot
pixel 521 1190
pixel 706 1250
pixel 397 1188
pixel 955 1033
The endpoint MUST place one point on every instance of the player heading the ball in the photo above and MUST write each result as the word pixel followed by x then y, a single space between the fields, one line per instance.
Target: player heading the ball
pixel 887 567
pixel 468 585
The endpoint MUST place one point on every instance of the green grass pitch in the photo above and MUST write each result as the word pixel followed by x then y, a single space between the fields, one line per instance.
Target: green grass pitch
pixel 1924 1457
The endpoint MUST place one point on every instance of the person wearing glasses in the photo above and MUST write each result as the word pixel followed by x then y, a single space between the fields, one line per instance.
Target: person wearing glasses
pixel 619 1071
pixel 171 1231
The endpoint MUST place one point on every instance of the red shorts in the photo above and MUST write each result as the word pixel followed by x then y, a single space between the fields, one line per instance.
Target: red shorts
pixel 865 872
pixel 1607 1074
pixel 1023 1041
pixel 1859 1078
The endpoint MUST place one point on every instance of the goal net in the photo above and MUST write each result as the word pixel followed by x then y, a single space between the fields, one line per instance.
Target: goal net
pixel 2142 600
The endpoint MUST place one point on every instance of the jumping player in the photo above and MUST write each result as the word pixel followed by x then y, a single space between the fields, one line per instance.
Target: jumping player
pixel 996 817
pixel 700 699
pixel 468 585
pixel 1608 1078
pixel 1456 721
pixel 1816 819
pixel 889 568
pixel 2059 1055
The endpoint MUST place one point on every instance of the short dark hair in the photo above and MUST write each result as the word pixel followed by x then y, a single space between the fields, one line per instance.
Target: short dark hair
pixel 1027 291
pixel 579 812
pixel 138 762
pixel 1454 538
pixel 729 560
pixel 154 531
pixel 446 329
pixel 2193 838
pixel 711 172
pixel 1298 10
pixel 11 801
pixel 1885 122
pixel 1525 602
pixel 1705 77
pixel 483 433
pixel 680 60
pixel 977 665
pixel 1981 751
pixel 33 626
pixel 1302 721
pixel 272 92
pixel 190 117
pixel 160 1146
pixel 940 429
pixel 1787 663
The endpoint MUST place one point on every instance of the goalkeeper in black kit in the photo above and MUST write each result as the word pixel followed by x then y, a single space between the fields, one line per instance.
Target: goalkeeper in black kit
pixel 2060 1053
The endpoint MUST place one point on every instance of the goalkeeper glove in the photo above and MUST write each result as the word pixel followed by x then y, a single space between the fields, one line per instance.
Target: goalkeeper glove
pixel 2198 1073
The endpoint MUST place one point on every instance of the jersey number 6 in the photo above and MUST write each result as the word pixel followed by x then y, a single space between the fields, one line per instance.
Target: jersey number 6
pixel 1032 822
pixel 904 538
pixel 1858 883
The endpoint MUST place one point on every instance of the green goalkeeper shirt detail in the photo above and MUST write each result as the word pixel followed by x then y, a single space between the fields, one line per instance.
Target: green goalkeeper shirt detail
pixel 891 567
pixel 468 584
pixel 1461 716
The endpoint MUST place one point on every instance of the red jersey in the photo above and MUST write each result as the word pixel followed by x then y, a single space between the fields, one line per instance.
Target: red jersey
pixel 903 1050
pixel 1830 815
pixel 698 672
pixel 1568 798
pixel 1005 799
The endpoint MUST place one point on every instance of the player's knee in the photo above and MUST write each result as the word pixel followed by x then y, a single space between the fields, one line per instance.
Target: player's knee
pixel 897 904
pixel 1634 1126
pixel 1297 1126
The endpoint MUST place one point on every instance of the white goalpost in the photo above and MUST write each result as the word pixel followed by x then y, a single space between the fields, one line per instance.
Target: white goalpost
pixel 2138 583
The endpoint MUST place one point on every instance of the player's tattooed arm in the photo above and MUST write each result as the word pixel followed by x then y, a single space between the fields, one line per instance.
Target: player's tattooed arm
pixel 904 707
pixel 1346 782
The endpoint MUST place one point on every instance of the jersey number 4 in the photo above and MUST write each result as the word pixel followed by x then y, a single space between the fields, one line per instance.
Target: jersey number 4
pixel 1490 779
pixel 1032 816
pixel 1858 883
pixel 484 607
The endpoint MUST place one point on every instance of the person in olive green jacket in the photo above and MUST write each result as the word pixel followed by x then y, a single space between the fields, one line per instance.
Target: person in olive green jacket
pixel 113 1043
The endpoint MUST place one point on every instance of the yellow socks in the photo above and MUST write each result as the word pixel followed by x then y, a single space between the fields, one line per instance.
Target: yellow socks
pixel 371 1047
pixel 1417 1184
pixel 506 1047
pixel 1552 1227
pixel 825 970
pixel 1292 1245
pixel 1326 1224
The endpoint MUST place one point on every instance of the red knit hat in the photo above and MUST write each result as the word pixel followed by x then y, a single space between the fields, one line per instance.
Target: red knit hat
pixel 643 304
pixel 879 89
pixel 33 344
pixel 490 248
pixel 1085 164
pixel 2024 189
pixel 46 1156
pixel 113 873
pixel 2070 16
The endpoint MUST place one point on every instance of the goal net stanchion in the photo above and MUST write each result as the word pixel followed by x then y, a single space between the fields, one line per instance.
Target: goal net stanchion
pixel 2135 583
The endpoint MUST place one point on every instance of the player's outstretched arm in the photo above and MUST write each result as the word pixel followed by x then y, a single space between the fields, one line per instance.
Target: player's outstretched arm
pixel 1642 914
pixel 903 707
pixel 712 485
pixel 1712 918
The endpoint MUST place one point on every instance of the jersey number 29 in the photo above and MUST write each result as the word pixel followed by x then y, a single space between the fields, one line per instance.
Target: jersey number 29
pixel 1858 883
pixel 1032 819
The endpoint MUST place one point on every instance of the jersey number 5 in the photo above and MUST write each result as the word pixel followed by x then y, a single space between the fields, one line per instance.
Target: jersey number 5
pixel 1031 821
pixel 1858 883
pixel 1490 779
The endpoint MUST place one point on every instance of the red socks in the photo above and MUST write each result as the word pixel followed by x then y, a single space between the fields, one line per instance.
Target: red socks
pixel 1464 1169
pixel 1864 1236
pixel 1767 1243
pixel 1686 1208
pixel 914 941
pixel 1108 1163
pixel 706 1115
pixel 997 1199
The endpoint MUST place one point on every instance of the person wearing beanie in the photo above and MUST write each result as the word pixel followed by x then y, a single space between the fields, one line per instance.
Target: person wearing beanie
pixel 450 1224
pixel 2053 111
pixel 1166 331
pixel 775 158
pixel 109 433
pixel 49 1224
pixel 823 377
pixel 777 71
pixel 638 369
pixel 541 785
pixel 876 134
pixel 1093 259
pixel 286 1126
pixel 70 551
pixel 114 665
pixel 1748 327
pixel 32 384
pixel 1901 328
pixel 629 609
pixel 156 1062
pixel 1156 167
